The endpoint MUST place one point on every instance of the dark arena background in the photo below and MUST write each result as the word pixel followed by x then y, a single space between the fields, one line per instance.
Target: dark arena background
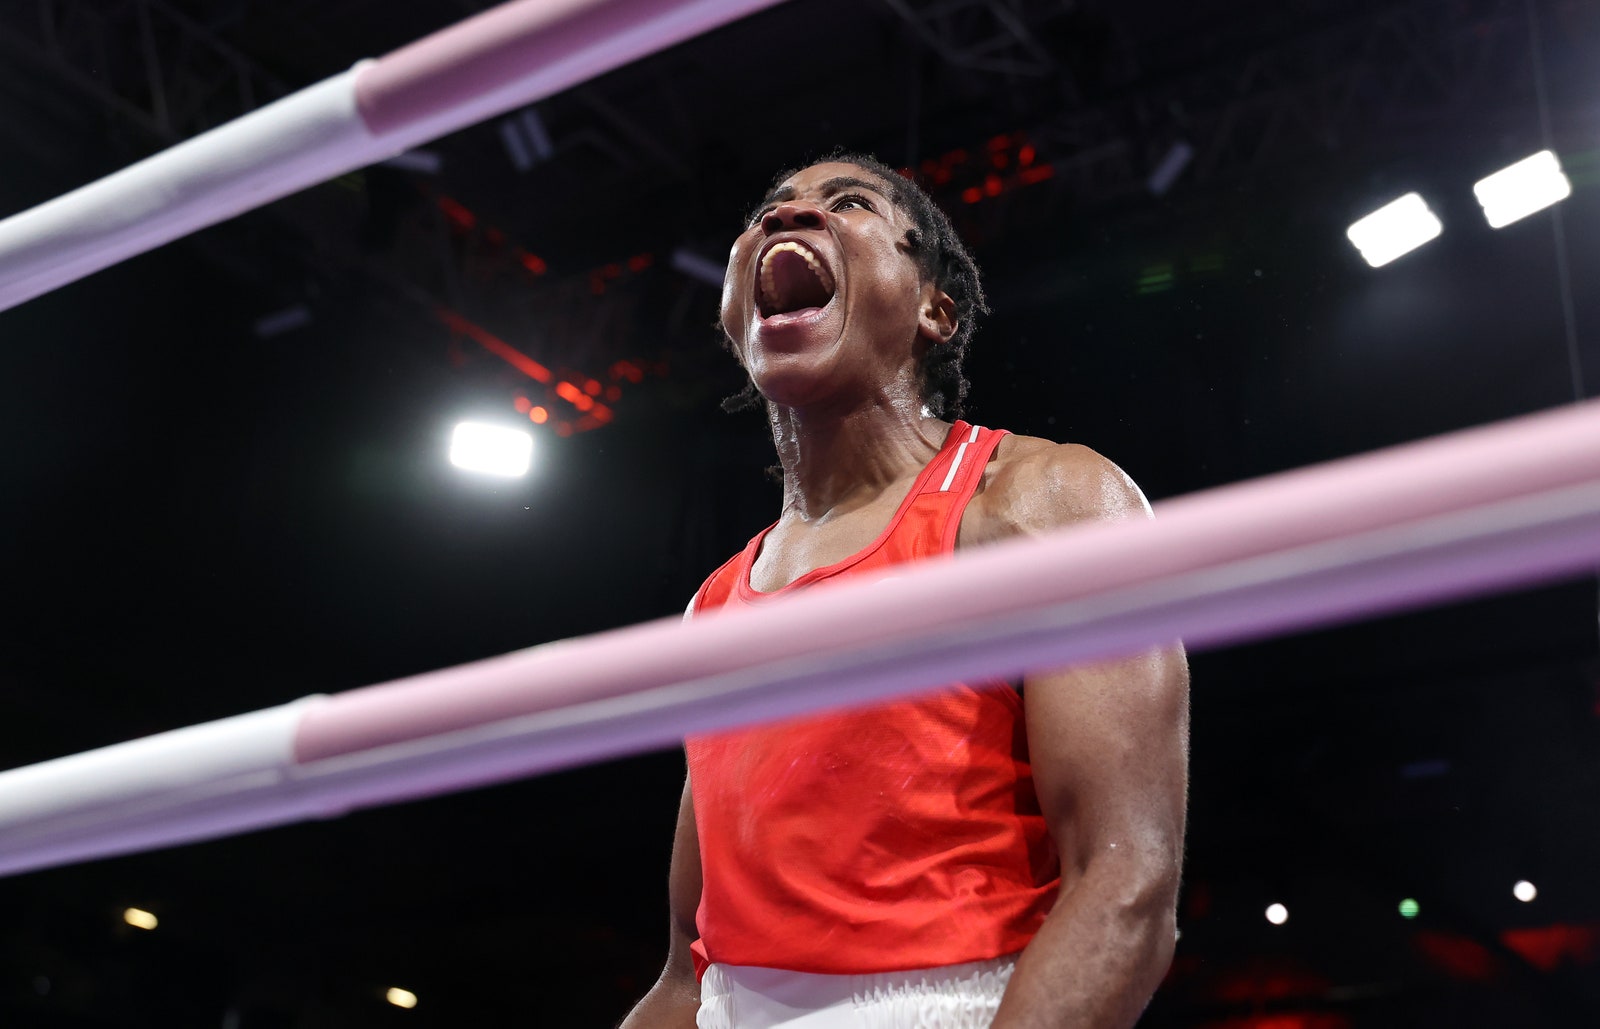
pixel 227 484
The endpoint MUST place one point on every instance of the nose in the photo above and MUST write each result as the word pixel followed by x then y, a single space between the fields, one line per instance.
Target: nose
pixel 792 216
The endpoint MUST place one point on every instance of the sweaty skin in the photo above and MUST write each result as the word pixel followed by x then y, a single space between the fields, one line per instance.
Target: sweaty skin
pixel 1108 742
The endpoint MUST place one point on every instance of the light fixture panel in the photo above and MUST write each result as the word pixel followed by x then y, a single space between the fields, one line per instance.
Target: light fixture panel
pixel 1530 185
pixel 491 449
pixel 1395 229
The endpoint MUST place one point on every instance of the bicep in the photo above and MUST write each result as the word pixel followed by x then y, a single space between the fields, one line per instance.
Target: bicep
pixel 1108 740
pixel 1109 747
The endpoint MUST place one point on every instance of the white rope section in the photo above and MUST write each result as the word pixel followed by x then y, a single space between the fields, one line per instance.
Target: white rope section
pixel 1488 509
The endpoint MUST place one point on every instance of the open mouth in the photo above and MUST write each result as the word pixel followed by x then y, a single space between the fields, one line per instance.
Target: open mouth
pixel 791 279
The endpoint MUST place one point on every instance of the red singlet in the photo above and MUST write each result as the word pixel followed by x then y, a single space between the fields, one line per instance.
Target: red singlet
pixel 906 835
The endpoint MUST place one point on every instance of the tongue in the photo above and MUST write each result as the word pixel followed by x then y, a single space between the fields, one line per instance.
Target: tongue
pixel 795 285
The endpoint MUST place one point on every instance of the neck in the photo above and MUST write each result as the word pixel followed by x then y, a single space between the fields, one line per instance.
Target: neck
pixel 834 460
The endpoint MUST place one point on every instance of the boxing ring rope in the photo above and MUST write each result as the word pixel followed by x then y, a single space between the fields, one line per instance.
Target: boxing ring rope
pixel 1487 509
pixel 1491 508
pixel 499 60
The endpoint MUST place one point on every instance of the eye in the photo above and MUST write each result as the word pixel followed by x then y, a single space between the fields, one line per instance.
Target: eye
pixel 852 200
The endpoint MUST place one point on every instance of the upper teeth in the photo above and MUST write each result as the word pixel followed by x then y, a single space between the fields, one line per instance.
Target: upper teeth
pixel 769 285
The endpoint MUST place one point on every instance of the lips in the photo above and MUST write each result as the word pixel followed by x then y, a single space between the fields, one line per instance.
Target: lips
pixel 791 278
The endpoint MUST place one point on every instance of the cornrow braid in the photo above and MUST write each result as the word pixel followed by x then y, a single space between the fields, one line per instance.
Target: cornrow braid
pixel 943 259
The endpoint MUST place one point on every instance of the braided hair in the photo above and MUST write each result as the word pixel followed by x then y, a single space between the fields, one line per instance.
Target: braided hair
pixel 941 257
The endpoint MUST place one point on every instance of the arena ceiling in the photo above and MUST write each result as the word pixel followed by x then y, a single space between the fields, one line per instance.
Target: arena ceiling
pixel 225 486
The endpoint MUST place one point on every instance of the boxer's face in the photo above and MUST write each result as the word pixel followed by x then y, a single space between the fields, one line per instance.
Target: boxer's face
pixel 823 294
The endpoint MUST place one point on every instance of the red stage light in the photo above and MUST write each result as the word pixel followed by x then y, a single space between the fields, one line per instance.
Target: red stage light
pixel 522 404
pixel 533 262
pixel 613 393
pixel 972 194
pixel 1550 946
pixel 539 415
pixel 494 344
pixel 592 388
pixel 1456 956
pixel 627 370
pixel 459 216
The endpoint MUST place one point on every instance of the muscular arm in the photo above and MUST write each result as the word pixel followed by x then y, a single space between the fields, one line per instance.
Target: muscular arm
pixel 1109 748
pixel 675 998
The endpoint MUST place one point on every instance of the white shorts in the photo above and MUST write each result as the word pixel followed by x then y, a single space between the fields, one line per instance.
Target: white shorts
pixel 951 997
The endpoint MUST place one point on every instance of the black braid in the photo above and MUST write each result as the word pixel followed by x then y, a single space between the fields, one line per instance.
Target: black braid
pixel 943 258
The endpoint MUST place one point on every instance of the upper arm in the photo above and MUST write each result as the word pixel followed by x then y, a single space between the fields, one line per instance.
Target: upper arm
pixel 1108 741
pixel 683 878
pixel 683 890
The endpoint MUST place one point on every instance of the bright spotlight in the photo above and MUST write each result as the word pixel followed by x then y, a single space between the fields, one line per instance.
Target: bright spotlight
pixel 1530 185
pixel 140 919
pixel 1524 891
pixel 401 998
pixel 1394 229
pixel 493 449
pixel 1277 914
pixel 1409 908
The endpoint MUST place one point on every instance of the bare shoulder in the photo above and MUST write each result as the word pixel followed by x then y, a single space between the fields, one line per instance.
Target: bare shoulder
pixel 1035 485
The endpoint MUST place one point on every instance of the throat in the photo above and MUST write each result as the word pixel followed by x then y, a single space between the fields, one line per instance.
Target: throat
pixel 851 464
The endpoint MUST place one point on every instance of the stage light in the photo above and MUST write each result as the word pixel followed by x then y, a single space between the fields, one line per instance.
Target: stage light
pixel 427 162
pixel 288 319
pixel 697 267
pixel 1166 173
pixel 492 449
pixel 1524 891
pixel 526 139
pixel 1395 229
pixel 1409 908
pixel 140 919
pixel 1277 914
pixel 1530 185
pixel 401 998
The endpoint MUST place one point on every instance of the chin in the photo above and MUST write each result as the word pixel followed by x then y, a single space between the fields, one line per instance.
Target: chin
pixel 793 379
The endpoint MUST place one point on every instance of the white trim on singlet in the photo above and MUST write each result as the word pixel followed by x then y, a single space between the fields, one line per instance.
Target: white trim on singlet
pixel 955 465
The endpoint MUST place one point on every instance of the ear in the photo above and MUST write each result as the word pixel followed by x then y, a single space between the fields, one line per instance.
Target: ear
pixel 937 321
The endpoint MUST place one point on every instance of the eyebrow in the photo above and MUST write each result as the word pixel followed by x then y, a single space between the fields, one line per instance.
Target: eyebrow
pixel 829 187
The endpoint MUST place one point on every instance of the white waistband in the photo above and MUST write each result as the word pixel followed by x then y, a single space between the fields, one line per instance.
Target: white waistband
pixel 951 997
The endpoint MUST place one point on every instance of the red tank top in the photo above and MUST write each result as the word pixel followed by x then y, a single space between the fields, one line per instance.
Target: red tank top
pixel 899 836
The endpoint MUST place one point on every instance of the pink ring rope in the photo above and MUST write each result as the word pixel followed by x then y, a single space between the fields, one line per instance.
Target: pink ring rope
pixel 1487 509
pixel 497 61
